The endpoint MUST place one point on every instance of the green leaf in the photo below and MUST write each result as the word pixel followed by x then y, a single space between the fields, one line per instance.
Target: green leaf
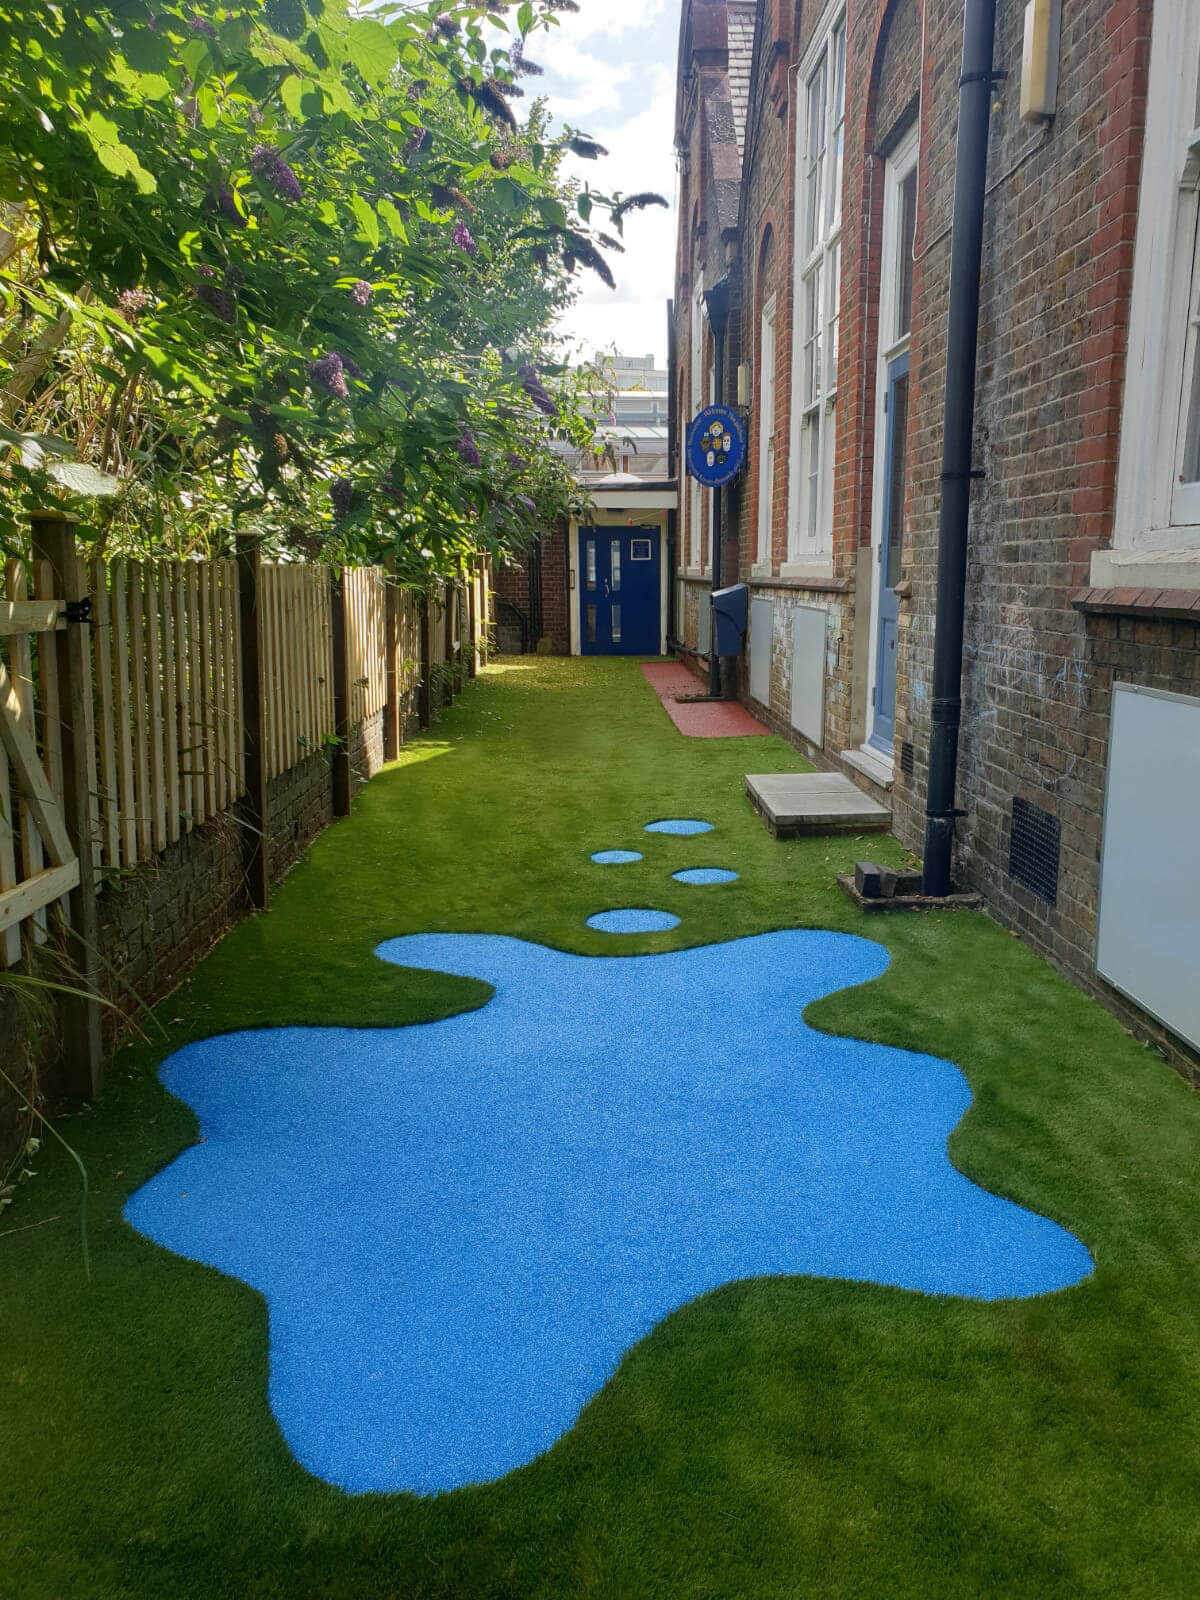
pixel 368 222
pixel 393 221
pixel 370 49
pixel 525 18
pixel 583 204
pixel 292 93
pixel 80 478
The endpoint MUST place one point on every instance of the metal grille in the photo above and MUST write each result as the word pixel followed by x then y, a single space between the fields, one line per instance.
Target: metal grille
pixel 1033 849
pixel 906 758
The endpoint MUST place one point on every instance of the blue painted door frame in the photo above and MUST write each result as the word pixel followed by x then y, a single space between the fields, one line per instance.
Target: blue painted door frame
pixel 883 726
pixel 619 603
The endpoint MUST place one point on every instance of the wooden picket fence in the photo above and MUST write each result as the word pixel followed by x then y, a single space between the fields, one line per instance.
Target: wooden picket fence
pixel 157 739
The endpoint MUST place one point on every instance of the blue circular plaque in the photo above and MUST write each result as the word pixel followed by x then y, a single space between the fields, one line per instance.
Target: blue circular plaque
pixel 716 446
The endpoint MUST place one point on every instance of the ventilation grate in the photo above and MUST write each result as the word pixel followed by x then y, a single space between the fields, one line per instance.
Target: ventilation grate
pixel 906 758
pixel 1033 849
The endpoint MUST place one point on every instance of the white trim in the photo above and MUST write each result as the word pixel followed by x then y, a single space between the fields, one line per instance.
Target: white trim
pixel 1154 406
pixel 824 258
pixel 1146 569
pixel 762 569
pixel 573 583
pixel 901 162
pixel 766 432
pixel 814 571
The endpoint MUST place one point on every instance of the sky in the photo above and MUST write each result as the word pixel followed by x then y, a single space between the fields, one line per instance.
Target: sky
pixel 610 73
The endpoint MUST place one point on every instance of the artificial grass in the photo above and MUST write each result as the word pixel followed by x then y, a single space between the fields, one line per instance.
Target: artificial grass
pixel 778 1437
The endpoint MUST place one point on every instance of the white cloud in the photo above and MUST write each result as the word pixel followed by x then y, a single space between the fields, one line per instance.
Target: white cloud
pixel 641 156
pixel 610 18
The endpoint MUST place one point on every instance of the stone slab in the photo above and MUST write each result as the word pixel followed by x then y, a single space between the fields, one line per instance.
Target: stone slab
pixel 909 902
pixel 793 803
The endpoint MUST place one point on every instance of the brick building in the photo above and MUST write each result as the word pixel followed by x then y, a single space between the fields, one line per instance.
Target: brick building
pixel 817 146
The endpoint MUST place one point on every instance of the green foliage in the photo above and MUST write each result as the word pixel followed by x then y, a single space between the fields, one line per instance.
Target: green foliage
pixel 287 268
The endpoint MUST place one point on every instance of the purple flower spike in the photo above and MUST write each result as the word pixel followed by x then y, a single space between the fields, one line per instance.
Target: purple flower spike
pixel 468 450
pixel 414 145
pixel 217 300
pixel 341 495
pixel 352 367
pixel 329 372
pixel 461 235
pixel 535 389
pixel 361 292
pixel 523 499
pixel 519 462
pixel 204 26
pixel 206 272
pixel 266 163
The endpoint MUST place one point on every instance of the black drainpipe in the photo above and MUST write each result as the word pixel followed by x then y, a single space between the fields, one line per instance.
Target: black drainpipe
pixel 717 301
pixel 958 428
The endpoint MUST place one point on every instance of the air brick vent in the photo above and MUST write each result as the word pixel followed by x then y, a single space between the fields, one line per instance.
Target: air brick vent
pixel 1033 850
pixel 906 758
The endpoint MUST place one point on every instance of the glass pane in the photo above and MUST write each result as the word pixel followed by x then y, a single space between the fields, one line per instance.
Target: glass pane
pixel 591 563
pixel 837 117
pixel 835 304
pixel 813 485
pixel 616 565
pixel 616 624
pixel 908 229
pixel 591 624
pixel 812 336
pixel 1189 468
pixel 899 433
pixel 815 155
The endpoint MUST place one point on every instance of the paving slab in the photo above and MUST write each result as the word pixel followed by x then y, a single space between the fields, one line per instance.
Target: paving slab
pixel 814 802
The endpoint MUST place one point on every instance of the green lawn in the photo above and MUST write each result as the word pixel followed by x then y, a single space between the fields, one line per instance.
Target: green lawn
pixel 785 1437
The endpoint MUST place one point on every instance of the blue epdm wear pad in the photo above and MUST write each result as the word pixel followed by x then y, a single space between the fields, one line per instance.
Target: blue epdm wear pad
pixel 632 919
pixel 460 1227
pixel 679 825
pixel 705 875
pixel 609 858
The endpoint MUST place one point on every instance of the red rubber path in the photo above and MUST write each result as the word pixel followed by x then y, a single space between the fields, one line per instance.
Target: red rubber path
pixel 718 719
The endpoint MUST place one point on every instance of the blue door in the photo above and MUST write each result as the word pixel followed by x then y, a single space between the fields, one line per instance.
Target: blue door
pixel 883 727
pixel 619 611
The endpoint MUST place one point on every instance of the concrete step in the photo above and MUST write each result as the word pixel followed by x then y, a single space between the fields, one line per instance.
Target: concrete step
pixel 792 803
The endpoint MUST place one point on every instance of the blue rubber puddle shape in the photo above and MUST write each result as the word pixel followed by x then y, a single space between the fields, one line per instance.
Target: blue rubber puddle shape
pixel 609 858
pixel 632 919
pixel 705 875
pixel 460 1227
pixel 684 825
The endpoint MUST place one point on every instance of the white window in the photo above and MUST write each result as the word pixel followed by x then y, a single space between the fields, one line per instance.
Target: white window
pixel 766 433
pixel 819 146
pixel 1158 485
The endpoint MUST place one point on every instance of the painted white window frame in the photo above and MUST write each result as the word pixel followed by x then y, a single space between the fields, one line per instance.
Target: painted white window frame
pixel 1157 523
pixel 902 163
pixel 766 436
pixel 820 140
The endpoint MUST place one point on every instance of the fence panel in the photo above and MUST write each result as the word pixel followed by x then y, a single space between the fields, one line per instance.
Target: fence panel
pixel 37 862
pixel 297 643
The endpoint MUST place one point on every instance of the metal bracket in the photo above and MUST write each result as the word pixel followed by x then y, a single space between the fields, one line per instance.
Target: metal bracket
pixel 958 477
pixel 78 610
pixel 981 77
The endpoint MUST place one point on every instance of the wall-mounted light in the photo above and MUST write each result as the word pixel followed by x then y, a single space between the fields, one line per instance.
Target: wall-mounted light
pixel 743 385
pixel 1039 60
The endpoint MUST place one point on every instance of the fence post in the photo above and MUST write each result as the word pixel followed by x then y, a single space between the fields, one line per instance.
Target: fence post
pixel 485 607
pixel 472 626
pixel 54 541
pixel 252 808
pixel 341 696
pixel 391 678
pixel 449 602
pixel 425 687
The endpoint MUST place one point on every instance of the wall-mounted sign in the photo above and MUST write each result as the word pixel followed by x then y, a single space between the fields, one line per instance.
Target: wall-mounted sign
pixel 716 446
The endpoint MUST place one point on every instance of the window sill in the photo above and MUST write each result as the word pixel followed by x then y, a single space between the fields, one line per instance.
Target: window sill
pixel 762 569
pixel 1145 569
pixel 1154 604
pixel 818 571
